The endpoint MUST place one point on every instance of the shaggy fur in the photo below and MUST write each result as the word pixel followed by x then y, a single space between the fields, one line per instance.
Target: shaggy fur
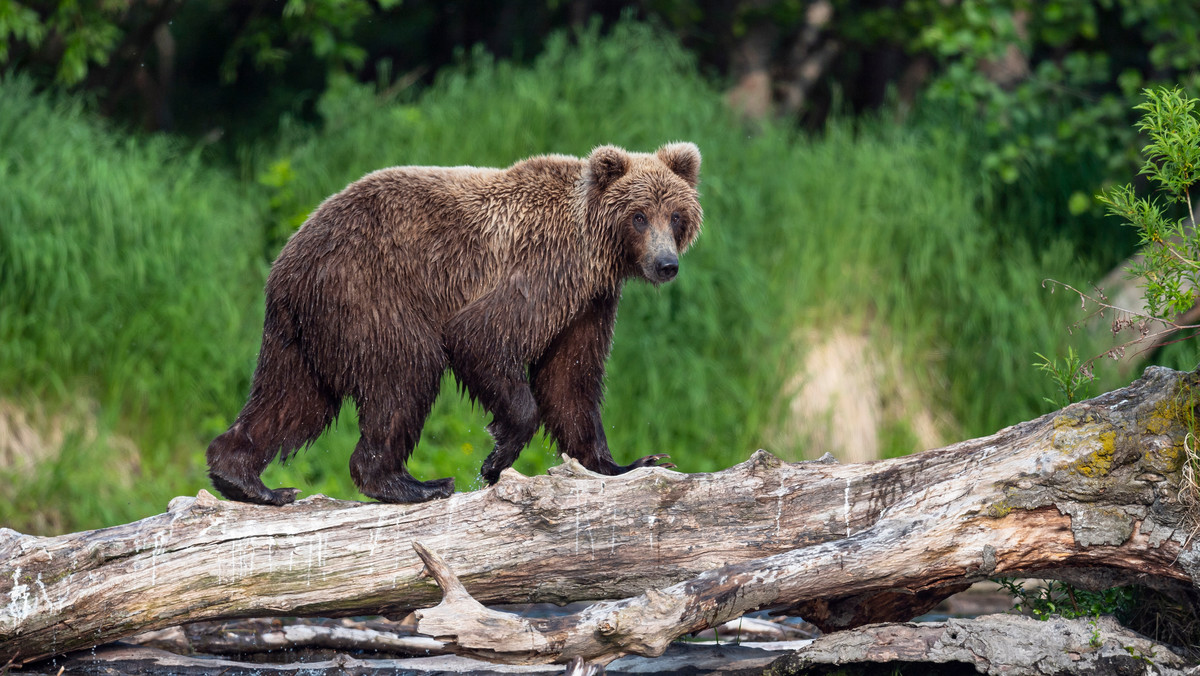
pixel 510 277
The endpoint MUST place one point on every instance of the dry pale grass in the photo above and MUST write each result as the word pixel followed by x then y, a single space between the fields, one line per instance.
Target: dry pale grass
pixel 852 388
pixel 33 441
pixel 27 437
pixel 30 436
pixel 1189 489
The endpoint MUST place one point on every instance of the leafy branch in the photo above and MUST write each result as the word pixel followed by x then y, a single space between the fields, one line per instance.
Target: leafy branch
pixel 1169 264
pixel 1059 598
pixel 1073 378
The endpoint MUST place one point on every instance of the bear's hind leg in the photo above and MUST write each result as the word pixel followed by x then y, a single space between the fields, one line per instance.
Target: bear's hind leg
pixel 390 417
pixel 287 408
pixel 240 479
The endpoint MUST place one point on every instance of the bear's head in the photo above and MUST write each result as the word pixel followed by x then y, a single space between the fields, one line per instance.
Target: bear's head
pixel 650 202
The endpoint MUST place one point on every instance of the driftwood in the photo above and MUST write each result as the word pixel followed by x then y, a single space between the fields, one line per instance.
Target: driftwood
pixel 382 637
pixel 1095 485
pixel 1011 645
pixel 245 637
pixel 1008 645
pixel 131 660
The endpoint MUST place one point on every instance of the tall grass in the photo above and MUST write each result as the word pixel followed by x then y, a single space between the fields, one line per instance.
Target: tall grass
pixel 135 271
pixel 128 276
pixel 128 264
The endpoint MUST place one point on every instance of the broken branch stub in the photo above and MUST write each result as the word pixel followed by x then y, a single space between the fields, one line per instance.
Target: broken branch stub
pixel 471 623
pixel 1094 485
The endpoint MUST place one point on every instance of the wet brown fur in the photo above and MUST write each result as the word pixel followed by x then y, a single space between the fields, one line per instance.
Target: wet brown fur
pixel 509 277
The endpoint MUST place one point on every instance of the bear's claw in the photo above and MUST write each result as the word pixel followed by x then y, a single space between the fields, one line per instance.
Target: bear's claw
pixel 649 461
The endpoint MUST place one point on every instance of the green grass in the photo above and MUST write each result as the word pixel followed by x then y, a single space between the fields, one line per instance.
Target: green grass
pixel 134 272
pixel 127 277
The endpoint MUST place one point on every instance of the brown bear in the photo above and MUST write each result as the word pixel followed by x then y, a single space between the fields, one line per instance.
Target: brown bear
pixel 509 277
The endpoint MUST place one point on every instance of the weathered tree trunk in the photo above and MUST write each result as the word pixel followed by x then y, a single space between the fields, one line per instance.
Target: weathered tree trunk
pixel 1011 645
pixel 1097 484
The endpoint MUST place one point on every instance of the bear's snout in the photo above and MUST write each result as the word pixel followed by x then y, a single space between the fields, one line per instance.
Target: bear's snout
pixel 666 266
pixel 659 259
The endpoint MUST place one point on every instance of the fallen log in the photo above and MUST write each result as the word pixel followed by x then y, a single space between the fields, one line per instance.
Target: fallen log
pixel 1011 645
pixel 1099 484
pixel 130 660
pixel 381 638
pixel 246 637
pixel 1007 645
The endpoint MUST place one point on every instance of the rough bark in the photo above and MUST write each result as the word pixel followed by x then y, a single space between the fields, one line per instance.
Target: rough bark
pixel 1094 485
pixel 1011 645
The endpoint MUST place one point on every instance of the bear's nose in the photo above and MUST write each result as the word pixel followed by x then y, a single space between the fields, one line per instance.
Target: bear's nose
pixel 666 267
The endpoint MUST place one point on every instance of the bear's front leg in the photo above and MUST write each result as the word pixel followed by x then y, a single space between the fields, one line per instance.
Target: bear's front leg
pixel 514 422
pixel 568 385
pixel 494 375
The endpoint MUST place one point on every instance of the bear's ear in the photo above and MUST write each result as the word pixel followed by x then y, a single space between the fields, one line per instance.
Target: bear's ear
pixel 605 165
pixel 683 159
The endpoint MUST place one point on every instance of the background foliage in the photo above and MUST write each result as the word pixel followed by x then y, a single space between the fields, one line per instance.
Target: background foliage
pixel 155 156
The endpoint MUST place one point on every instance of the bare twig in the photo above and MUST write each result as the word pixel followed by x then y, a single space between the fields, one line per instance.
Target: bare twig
pixel 1125 319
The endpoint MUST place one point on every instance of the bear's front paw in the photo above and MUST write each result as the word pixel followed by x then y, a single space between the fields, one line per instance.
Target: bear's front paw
pixel 407 490
pixel 253 490
pixel 490 473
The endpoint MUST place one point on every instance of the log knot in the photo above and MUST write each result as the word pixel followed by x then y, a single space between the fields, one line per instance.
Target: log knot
pixel 762 461
pixel 572 468
pixel 204 502
pixel 510 489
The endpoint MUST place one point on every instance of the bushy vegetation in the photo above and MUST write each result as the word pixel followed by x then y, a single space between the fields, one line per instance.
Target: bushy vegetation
pixel 128 276
pixel 131 269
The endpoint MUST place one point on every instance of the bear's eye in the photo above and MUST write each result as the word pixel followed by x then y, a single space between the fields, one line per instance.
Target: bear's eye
pixel 676 218
pixel 639 221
